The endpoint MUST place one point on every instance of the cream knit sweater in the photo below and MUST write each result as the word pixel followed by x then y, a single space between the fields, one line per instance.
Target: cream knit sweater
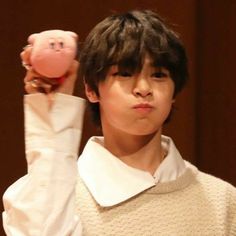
pixel 194 204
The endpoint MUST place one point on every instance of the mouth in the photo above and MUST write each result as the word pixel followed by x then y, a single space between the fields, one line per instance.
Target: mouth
pixel 143 108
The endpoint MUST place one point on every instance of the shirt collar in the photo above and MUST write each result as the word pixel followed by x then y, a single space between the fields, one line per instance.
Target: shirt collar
pixel 172 166
pixel 111 181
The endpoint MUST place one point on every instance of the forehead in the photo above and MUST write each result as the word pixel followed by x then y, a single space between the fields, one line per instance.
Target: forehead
pixel 144 61
pixel 147 62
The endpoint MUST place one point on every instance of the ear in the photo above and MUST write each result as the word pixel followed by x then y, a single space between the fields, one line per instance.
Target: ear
pixel 32 38
pixel 91 94
pixel 73 35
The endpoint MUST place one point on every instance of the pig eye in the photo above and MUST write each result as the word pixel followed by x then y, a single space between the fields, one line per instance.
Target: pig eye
pixel 52 45
pixel 61 44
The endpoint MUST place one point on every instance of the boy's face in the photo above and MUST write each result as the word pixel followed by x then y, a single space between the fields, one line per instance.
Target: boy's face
pixel 135 103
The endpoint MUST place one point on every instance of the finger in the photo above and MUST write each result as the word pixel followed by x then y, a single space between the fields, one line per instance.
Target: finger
pixel 37 85
pixel 43 87
pixel 30 89
pixel 51 81
pixel 35 80
pixel 30 75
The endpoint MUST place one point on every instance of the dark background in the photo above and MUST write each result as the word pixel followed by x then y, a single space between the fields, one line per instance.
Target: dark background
pixel 204 125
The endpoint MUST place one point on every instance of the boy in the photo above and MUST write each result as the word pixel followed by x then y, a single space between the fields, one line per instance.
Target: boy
pixel 131 181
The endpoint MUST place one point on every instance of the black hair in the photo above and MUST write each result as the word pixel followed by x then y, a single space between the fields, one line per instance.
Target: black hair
pixel 124 40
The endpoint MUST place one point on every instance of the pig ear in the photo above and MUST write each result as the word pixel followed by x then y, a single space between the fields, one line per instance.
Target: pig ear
pixel 32 38
pixel 73 34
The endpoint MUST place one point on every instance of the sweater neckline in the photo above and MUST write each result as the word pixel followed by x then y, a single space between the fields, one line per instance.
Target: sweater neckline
pixel 111 181
pixel 182 182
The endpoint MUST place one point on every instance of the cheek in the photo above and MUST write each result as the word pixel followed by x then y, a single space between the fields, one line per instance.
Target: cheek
pixel 107 100
pixel 169 91
pixel 164 99
pixel 111 113
pixel 111 94
pixel 113 106
pixel 165 93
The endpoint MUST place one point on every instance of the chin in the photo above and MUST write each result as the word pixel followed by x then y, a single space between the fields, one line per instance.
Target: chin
pixel 144 131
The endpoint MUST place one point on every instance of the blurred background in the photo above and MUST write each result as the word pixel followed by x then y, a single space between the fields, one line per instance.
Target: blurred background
pixel 204 124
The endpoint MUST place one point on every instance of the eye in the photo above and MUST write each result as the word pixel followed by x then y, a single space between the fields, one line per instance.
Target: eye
pixel 61 44
pixel 52 45
pixel 122 74
pixel 160 75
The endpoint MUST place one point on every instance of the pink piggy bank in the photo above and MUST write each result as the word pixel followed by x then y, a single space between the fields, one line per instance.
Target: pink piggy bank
pixel 53 52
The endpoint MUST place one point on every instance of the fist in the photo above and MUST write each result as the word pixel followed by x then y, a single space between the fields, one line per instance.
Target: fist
pixel 53 52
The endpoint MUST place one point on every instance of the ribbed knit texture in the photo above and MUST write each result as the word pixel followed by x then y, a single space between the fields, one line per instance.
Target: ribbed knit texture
pixel 194 204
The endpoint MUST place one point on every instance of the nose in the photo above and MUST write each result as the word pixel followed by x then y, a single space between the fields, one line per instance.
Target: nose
pixel 142 87
pixel 57 47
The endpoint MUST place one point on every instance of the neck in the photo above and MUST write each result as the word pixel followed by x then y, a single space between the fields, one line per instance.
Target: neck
pixel 139 151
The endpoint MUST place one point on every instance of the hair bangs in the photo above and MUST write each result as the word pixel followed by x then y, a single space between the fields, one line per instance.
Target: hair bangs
pixel 126 50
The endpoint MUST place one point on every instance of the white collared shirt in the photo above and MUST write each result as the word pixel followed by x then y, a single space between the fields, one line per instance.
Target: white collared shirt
pixel 42 203
pixel 111 181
